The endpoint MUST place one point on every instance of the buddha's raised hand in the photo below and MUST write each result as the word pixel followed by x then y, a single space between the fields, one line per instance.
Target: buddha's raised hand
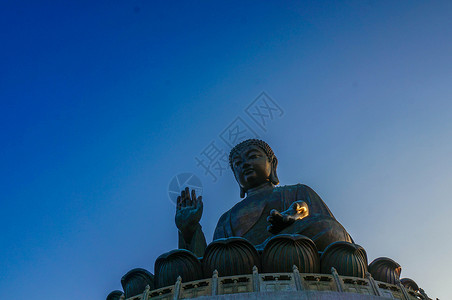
pixel 278 221
pixel 188 212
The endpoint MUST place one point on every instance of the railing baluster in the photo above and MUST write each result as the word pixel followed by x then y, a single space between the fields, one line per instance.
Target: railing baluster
pixel 297 278
pixel 215 283
pixel 373 284
pixel 337 280
pixel 177 287
pixel 256 282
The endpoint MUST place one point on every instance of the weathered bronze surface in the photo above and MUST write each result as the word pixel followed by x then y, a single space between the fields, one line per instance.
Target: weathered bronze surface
pixel 266 210
pixel 135 281
pixel 115 295
pixel 176 263
pixel 284 251
pixel 288 232
pixel 233 256
pixel 347 258
pixel 409 284
pixel 385 269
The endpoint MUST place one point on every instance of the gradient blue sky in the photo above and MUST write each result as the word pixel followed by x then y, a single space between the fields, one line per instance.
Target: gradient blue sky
pixel 103 102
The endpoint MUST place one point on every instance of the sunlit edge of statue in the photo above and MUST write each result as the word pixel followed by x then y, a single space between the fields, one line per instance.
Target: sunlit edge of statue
pixel 265 211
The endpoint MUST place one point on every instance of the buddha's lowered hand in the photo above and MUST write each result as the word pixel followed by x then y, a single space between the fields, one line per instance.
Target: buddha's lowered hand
pixel 280 220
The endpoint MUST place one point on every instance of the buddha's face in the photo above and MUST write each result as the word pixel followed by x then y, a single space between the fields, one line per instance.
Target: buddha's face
pixel 251 167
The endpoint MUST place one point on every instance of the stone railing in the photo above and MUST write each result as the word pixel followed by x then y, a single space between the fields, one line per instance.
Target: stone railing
pixel 279 282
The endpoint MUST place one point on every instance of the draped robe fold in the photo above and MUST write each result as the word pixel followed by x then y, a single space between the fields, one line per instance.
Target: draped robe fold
pixel 248 218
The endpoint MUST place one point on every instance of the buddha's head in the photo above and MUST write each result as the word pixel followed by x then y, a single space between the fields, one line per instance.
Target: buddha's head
pixel 254 164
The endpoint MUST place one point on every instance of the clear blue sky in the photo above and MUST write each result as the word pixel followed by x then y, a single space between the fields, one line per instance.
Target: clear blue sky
pixel 103 102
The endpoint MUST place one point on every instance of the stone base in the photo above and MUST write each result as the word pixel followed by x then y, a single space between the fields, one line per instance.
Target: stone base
pixel 290 295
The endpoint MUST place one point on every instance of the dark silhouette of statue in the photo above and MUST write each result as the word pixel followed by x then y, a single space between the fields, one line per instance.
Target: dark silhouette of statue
pixel 265 211
pixel 283 231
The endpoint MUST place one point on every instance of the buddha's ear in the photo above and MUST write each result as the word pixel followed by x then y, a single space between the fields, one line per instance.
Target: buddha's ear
pixel 273 176
pixel 242 193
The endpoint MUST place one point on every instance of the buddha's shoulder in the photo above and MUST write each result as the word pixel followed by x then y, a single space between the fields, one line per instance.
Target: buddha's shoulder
pixel 224 217
pixel 294 187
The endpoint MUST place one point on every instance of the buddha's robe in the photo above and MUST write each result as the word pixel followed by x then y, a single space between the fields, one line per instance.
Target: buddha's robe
pixel 248 218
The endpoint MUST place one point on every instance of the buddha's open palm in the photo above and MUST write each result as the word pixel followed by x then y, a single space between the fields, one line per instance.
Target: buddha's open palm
pixel 188 212
pixel 278 221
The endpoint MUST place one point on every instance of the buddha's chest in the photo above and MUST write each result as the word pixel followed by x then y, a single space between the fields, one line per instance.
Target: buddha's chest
pixel 249 218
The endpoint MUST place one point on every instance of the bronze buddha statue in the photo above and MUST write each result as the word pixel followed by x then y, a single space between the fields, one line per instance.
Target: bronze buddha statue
pixel 266 210
pixel 285 230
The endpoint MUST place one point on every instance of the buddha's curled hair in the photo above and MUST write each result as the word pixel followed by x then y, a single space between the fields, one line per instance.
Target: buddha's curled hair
pixel 261 144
